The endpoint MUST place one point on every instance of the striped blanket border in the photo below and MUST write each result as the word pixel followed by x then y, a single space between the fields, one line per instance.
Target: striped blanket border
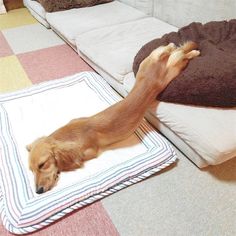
pixel 21 213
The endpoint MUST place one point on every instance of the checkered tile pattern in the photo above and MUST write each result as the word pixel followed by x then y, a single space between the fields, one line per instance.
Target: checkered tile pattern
pixel 30 53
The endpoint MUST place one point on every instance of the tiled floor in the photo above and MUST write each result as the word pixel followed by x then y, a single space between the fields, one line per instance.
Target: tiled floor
pixel 51 63
pixel 30 38
pixel 16 18
pixel 13 76
pixel 5 49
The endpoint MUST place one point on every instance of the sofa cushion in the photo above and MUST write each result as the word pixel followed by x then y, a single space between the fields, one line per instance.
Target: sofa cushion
pixel 37 11
pixel 210 132
pixel 115 46
pixel 206 135
pixel 74 22
pixel 53 6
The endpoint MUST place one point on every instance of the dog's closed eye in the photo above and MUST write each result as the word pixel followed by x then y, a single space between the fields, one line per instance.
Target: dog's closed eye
pixel 41 165
pixel 44 165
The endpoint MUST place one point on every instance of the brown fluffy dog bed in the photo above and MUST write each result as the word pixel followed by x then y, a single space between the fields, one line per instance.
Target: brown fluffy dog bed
pixel 210 79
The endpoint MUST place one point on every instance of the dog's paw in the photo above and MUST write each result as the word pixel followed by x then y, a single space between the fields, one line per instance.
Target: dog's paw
pixel 192 54
pixel 179 59
pixel 162 52
pixel 181 55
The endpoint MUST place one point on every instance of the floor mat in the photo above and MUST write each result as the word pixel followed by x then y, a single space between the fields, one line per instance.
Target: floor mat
pixel 37 111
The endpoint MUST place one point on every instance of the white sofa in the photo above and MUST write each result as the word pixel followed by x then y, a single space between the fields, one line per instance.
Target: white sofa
pixel 107 37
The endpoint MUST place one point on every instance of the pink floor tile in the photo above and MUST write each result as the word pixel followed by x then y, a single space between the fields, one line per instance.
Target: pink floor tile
pixel 5 49
pixel 89 221
pixel 52 63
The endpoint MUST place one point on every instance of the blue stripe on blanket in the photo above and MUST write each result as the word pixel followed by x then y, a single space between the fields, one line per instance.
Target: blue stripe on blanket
pixel 22 211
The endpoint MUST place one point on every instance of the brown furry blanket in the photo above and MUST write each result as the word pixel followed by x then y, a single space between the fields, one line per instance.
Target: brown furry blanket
pixel 210 79
pixel 53 5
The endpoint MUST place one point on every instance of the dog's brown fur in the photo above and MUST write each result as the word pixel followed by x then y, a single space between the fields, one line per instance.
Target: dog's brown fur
pixel 82 139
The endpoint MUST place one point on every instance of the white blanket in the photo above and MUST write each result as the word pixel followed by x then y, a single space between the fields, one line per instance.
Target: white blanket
pixel 2 7
pixel 39 110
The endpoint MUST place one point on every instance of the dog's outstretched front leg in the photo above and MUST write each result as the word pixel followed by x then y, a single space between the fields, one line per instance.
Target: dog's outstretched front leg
pixel 179 59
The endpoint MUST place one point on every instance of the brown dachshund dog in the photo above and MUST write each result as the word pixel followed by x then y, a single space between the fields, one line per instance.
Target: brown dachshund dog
pixel 84 138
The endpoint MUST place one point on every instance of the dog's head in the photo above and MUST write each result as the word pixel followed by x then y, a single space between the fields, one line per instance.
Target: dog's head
pixel 43 164
pixel 47 159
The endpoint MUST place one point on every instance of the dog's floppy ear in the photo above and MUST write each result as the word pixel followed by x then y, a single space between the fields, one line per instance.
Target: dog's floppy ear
pixel 67 156
pixel 30 146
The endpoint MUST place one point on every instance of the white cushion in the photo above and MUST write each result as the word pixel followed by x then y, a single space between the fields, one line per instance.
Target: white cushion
pixel 209 133
pixel 111 81
pixel 114 48
pixel 37 11
pixel 2 7
pixel 74 22
pixel 36 111
pixel 129 81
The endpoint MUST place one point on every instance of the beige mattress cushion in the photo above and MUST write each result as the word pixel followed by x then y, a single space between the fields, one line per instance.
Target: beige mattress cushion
pixel 74 22
pixel 113 48
pixel 37 11
pixel 210 132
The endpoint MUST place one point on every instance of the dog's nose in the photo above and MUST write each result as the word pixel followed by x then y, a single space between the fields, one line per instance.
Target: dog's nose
pixel 39 190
